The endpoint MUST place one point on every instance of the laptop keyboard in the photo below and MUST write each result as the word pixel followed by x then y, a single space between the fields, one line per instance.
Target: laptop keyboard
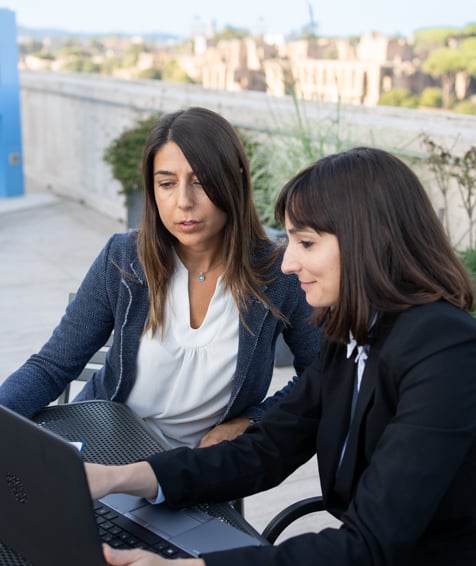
pixel 120 532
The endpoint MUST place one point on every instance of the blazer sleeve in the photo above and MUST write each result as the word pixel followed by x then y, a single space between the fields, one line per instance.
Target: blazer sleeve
pixel 255 461
pixel 83 329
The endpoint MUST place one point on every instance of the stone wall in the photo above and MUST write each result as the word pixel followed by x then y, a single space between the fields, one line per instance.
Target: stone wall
pixel 69 119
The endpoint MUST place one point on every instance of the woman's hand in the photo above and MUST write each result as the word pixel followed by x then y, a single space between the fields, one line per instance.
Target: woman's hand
pixel 138 557
pixel 225 431
pixel 135 479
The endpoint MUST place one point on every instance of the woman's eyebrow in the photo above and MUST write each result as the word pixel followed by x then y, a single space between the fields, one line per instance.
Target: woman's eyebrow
pixel 295 230
pixel 163 172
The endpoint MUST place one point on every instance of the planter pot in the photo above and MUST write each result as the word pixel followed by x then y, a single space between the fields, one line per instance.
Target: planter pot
pixel 135 208
pixel 283 355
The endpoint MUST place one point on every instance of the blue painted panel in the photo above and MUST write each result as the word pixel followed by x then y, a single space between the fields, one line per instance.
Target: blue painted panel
pixel 11 160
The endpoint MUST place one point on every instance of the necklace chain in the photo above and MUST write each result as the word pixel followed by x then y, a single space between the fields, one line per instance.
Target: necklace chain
pixel 202 274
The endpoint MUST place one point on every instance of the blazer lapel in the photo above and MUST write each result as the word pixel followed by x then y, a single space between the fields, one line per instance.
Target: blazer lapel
pixel 250 331
pixel 338 381
pixel 346 474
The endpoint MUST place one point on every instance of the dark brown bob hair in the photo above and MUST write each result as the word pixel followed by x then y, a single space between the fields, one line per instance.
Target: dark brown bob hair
pixel 393 249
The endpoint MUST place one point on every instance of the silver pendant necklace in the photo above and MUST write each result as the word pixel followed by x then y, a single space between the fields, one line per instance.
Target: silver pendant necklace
pixel 202 274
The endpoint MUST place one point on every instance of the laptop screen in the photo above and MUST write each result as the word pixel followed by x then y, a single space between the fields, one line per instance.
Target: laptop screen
pixel 49 519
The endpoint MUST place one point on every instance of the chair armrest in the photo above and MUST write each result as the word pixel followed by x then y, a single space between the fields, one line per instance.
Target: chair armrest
pixel 294 511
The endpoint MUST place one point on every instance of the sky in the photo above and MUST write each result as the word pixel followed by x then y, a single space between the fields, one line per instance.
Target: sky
pixel 181 17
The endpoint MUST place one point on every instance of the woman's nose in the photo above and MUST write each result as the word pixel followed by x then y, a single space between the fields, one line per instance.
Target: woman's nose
pixel 185 196
pixel 289 264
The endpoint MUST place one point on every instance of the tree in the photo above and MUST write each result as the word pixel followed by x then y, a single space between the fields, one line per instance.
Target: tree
pixel 174 73
pixel 33 46
pixel 468 49
pixel 469 30
pixel 427 40
pixel 443 64
pixel 230 32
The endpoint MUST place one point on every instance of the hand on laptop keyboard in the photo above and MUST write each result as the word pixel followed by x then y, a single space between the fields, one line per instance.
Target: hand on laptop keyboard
pixel 112 530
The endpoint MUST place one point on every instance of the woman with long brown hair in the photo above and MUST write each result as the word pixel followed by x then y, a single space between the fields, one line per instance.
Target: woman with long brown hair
pixel 195 298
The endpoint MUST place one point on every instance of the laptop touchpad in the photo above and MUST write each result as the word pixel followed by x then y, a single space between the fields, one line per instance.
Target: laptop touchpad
pixel 215 536
pixel 170 521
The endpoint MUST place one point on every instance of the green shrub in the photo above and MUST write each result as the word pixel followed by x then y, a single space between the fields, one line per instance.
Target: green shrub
pixel 469 261
pixel 264 193
pixel 465 107
pixel 124 154
pixel 399 97
pixel 431 97
pixel 277 154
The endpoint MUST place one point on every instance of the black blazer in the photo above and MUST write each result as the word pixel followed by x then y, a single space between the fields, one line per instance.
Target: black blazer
pixel 406 488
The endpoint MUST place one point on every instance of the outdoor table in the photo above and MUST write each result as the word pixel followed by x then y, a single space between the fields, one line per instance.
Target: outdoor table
pixel 111 434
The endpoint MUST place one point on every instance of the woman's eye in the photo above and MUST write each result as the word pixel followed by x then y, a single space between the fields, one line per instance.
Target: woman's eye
pixel 305 244
pixel 165 184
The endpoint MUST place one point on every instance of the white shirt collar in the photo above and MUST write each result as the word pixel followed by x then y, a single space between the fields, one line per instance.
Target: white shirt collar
pixel 360 358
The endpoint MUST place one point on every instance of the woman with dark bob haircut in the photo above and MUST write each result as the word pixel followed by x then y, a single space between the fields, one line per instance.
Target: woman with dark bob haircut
pixel 388 405
pixel 195 298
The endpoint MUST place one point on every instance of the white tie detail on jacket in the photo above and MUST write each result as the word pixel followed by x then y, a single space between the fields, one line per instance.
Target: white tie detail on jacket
pixel 360 358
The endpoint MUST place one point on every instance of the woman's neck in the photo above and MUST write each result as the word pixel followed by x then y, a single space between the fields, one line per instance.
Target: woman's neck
pixel 196 261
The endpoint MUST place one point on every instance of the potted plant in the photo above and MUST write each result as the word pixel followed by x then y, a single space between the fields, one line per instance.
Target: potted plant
pixel 124 154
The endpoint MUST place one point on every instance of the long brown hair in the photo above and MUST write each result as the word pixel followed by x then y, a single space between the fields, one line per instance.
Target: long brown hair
pixel 217 157
pixel 394 251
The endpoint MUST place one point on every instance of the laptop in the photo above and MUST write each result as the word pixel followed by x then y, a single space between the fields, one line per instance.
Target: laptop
pixel 48 518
